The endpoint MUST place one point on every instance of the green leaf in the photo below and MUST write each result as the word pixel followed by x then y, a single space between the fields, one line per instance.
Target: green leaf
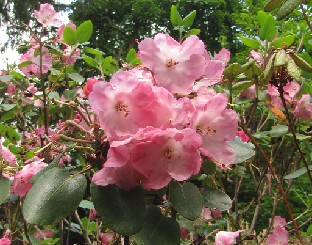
pixel 242 85
pixel 109 65
pixel 208 167
pixel 54 95
pixel 131 55
pixel 76 77
pixel 187 22
pixel 233 70
pixel 69 36
pixel 24 64
pixel 278 130
pixel 271 5
pixel 287 8
pixel 54 196
pixel 262 17
pixel 86 204
pixel 297 173
pixel 269 69
pixel 84 31
pixel 93 51
pixel 7 78
pixel 268 29
pixel 8 107
pixel 90 61
pixel 216 199
pixel 175 17
pixel 281 58
pixel 4 188
pixel 293 70
pixel 70 94
pixel 122 211
pixel 302 63
pixel 288 40
pixel 250 42
pixel 158 229
pixel 186 199
pixel 192 32
pixel 242 150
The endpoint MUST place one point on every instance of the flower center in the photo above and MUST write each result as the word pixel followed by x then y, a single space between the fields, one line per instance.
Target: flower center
pixel 171 63
pixel 168 153
pixel 206 131
pixel 121 107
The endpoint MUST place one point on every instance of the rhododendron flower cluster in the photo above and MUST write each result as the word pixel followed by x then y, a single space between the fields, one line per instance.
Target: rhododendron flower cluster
pixel 226 237
pixel 154 136
pixel 279 235
pixel 5 241
pixel 47 16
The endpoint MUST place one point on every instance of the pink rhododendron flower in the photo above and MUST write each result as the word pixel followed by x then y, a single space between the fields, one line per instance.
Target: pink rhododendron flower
pixel 184 233
pixel 216 125
pixel 244 137
pixel 21 182
pixel 279 236
pixel 106 238
pixel 254 55
pixel 290 90
pixel 226 237
pixel 248 93
pixel 279 221
pixel 216 214
pixel 88 88
pixel 34 68
pixel 206 214
pixel 5 241
pixel 224 56
pixel 47 16
pixel 303 109
pixel 60 30
pixel 11 88
pixel 70 56
pixel 153 157
pixel 175 66
pixel 43 234
pixel 7 156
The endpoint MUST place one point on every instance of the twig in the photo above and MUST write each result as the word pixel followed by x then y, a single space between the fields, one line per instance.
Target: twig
pixel 84 232
pixel 305 16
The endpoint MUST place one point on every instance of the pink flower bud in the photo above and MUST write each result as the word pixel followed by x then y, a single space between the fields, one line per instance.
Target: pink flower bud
pixel 88 88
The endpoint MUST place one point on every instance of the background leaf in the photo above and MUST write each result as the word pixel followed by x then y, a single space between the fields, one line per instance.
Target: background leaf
pixel 4 188
pixel 84 31
pixel 216 199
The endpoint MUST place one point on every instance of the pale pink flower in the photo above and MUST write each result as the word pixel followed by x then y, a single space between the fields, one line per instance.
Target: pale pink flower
pixel 153 157
pixel 11 88
pixel 106 238
pixel 224 56
pixel 34 68
pixel 43 234
pixel 290 90
pixel 70 56
pixel 248 93
pixel 47 16
pixel 7 156
pixel 175 66
pixel 279 221
pixel 88 88
pixel 254 55
pixel 226 237
pixel 279 236
pixel 303 109
pixel 21 182
pixel 216 125
pixel 206 214
pixel 32 88
pixel 5 241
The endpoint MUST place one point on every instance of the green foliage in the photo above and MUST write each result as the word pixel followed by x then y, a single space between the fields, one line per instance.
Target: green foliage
pixel 54 196
pixel 216 199
pixel 4 188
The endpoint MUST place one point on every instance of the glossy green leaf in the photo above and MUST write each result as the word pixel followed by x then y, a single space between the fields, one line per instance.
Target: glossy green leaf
pixel 186 199
pixel 233 70
pixel 90 61
pixel 250 42
pixel 297 173
pixel 187 22
pixel 261 16
pixel 281 58
pixel 278 130
pixel 242 85
pixel 70 94
pixel 69 36
pixel 242 150
pixel 86 204
pixel 175 17
pixel 192 32
pixel 303 64
pixel 4 188
pixel 271 5
pixel 293 70
pixel 288 40
pixel 268 30
pixel 76 77
pixel 131 55
pixel 122 211
pixel 7 107
pixel 158 229
pixel 84 31
pixel 93 51
pixel 54 196
pixel 216 199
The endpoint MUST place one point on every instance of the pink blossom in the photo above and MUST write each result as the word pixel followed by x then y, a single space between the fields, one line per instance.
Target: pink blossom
pixel 153 157
pixel 226 237
pixel 206 214
pixel 7 155
pixel 88 88
pixel 224 56
pixel 70 56
pixel 216 214
pixel 32 88
pixel 184 233
pixel 5 241
pixel 21 182
pixel 34 68
pixel 216 125
pixel 244 137
pixel 47 16
pixel 279 236
pixel 43 234
pixel 107 237
pixel 290 90
pixel 279 221
pixel 11 88
pixel 175 66
pixel 92 214
pixel 303 109
pixel 254 55
pixel 248 93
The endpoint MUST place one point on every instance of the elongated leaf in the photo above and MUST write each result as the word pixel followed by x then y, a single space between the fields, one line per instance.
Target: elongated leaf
pixel 242 85
pixel 281 58
pixel 69 36
pixel 4 188
pixel 186 199
pixel 297 173
pixel 158 229
pixel 243 150
pixel 54 196
pixel 131 55
pixel 287 8
pixel 268 29
pixel 90 61
pixel 70 94
pixel 216 199
pixel 303 64
pixel 192 32
pixel 76 77
pixel 175 17
pixel 84 31
pixel 294 70
pixel 278 130
pixel 288 40
pixel 122 211
pixel 187 22
pixel 250 42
